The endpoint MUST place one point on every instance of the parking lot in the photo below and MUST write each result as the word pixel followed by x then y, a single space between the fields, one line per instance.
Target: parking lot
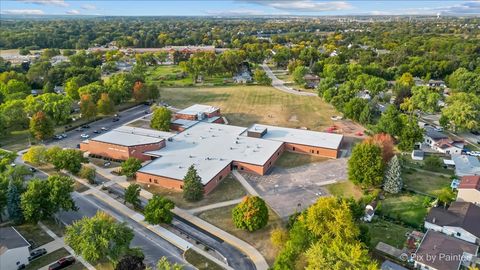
pixel 289 190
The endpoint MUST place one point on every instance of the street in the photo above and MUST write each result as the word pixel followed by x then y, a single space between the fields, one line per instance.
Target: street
pixel 153 246
pixel 73 136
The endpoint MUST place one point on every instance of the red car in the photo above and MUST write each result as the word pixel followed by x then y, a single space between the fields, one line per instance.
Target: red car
pixel 62 263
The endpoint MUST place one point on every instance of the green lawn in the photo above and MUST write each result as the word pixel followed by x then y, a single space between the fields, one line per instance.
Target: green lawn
pixel 48 259
pixel 222 218
pixel 387 232
pixel 57 227
pixel 228 189
pixel 171 75
pixel 423 181
pixel 246 105
pixel 290 160
pixel 420 164
pixel 15 140
pixel 407 208
pixel 199 261
pixel 34 233
pixel 345 189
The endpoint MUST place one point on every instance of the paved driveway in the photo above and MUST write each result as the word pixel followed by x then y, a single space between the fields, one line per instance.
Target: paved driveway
pixel 288 190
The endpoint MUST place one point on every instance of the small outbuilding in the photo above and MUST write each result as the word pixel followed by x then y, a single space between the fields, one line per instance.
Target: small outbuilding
pixel 418 155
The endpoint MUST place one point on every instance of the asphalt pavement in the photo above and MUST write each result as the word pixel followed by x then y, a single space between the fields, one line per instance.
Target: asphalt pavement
pixel 73 137
pixel 153 247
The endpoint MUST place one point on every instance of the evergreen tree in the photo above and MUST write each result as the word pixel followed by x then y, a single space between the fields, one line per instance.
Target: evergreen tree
pixel 192 185
pixel 393 177
pixel 13 203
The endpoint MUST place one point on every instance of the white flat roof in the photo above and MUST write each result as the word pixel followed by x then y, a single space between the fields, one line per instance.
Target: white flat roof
pixel 131 136
pixel 198 108
pixel 210 148
pixel 299 136
pixel 184 122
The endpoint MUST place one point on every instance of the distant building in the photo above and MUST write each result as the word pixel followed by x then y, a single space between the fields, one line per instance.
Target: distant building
pixel 437 83
pixel 466 165
pixel 14 249
pixel 438 251
pixel 198 112
pixel 460 220
pixel 469 190
pixel 311 80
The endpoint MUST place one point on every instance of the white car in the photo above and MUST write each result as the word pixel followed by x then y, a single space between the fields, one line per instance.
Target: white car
pixel 85 136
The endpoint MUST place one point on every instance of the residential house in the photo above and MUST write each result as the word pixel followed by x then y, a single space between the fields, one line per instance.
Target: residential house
pixel 244 74
pixel 14 249
pixel 364 94
pixel 389 265
pixel 460 220
pixel 438 251
pixel 59 89
pixel 437 83
pixel 418 81
pixel 466 165
pixel 311 80
pixel 469 190
pixel 441 143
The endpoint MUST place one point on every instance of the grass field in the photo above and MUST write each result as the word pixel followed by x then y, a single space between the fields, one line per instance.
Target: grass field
pixel 52 257
pixel 34 233
pixel 222 218
pixel 387 232
pixel 290 160
pixel 423 181
pixel 171 75
pixel 228 189
pixel 345 189
pixel 407 208
pixel 199 261
pixel 245 105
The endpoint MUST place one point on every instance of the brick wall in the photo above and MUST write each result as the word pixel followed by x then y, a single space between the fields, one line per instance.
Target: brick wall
pixel 120 152
pixel 311 150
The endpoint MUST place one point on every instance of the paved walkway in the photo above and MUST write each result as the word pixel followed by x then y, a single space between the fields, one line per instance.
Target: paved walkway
pixel 58 243
pixel 280 85
pixel 245 183
pixel 213 206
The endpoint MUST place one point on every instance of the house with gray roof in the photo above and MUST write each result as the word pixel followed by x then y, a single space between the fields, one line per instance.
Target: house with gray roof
pixel 14 249
pixel 466 165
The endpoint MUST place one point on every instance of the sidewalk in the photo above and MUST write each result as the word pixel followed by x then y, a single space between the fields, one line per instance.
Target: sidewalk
pixel 213 206
pixel 244 183
pixel 280 85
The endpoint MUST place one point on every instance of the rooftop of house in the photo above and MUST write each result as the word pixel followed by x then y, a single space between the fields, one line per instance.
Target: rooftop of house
pixel 433 134
pixel 210 148
pixel 443 252
pixel 418 153
pixel 466 165
pixel 470 182
pixel 11 239
pixel 460 214
pixel 198 109
pixel 299 136
pixel 131 136
pixel 389 265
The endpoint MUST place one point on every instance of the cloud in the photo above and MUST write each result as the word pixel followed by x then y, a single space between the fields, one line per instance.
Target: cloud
pixel 23 11
pixel 59 3
pixel 89 7
pixel 72 12
pixel 303 5
pixel 462 8
pixel 235 12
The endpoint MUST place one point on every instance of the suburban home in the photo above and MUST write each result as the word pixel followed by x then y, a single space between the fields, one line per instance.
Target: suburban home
pixel 418 155
pixel 436 83
pixel 460 220
pixel 469 190
pixel 438 251
pixel 442 143
pixel 311 80
pixel 14 249
pixel 389 265
pixel 466 165
pixel 370 211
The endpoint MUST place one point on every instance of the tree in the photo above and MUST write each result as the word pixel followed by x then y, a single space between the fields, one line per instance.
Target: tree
pixel 192 185
pixel 93 90
pixel 354 108
pixel 36 155
pixel 386 142
pixel 99 237
pixel 279 237
pixel 88 173
pixel 462 111
pixel 230 60
pixel 393 177
pixel 161 119
pixel 132 195
pixel 140 91
pixel 299 73
pixel 14 113
pixel 55 106
pixel 390 122
pixel 131 166
pixel 365 166
pixel 261 77
pixel 131 262
pixel 164 264
pixel 41 126
pixel 69 159
pixel 463 80
pixel 13 203
pixel 71 87
pixel 104 105
pixel 425 99
pixel 250 214
pixel 410 134
pixel 406 80
pixel 87 106
pixel 43 198
pixel 433 162
pixel 119 87
pixel 446 196
pixel 158 210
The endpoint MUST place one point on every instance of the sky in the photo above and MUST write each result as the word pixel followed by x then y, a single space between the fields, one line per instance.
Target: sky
pixel 239 7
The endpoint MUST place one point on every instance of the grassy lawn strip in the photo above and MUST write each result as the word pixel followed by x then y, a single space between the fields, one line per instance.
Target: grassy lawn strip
pixel 171 75
pixel 407 208
pixel 34 233
pixel 48 258
pixel 57 228
pixel 387 232
pixel 290 160
pixel 246 105
pixel 222 218
pixel 199 261
pixel 424 182
pixel 228 189
pixel 104 265
pixel 345 189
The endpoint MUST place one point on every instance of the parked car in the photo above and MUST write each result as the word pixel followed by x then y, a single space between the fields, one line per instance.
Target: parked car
pixel 62 263
pixel 32 169
pixel 107 164
pixel 21 266
pixel 85 126
pixel 58 137
pixel 96 131
pixel 64 135
pixel 85 136
pixel 475 132
pixel 37 253
pixel 104 129
pixel 115 119
pixel 78 145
